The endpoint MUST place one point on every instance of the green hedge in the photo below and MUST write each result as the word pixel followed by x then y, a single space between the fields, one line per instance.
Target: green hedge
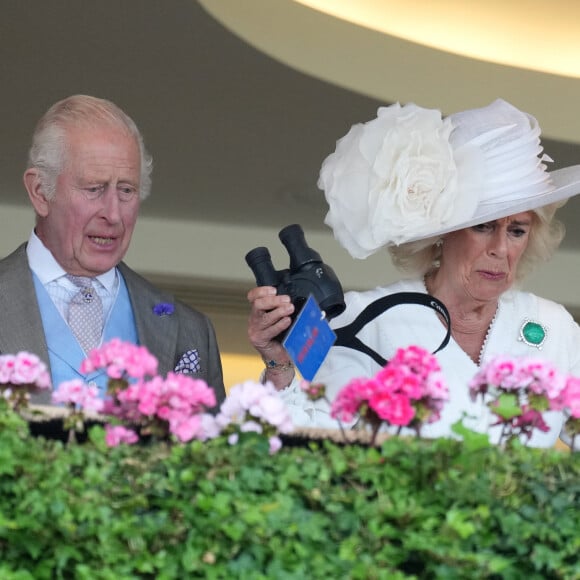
pixel 409 509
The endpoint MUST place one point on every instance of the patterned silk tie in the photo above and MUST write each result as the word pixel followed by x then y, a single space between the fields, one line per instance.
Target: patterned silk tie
pixel 85 313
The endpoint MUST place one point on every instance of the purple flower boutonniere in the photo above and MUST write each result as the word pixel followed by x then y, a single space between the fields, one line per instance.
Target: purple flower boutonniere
pixel 164 309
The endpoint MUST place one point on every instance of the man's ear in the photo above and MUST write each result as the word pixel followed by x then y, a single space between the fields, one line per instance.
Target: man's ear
pixel 35 189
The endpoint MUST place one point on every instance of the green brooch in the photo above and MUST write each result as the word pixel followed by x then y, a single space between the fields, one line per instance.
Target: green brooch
pixel 533 333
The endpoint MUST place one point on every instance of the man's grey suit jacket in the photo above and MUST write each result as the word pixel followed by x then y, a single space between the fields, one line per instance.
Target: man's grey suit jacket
pixel 166 337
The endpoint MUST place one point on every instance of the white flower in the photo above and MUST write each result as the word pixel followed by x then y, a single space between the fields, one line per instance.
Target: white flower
pixel 250 404
pixel 393 179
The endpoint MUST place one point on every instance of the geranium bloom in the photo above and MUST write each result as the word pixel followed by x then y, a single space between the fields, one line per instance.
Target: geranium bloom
pixel 121 359
pixel 313 391
pixel 408 391
pixel 571 396
pixel 185 427
pixel 138 396
pixel 395 409
pixel 79 395
pixel 350 398
pixel 275 444
pixel 21 374
pixel 175 402
pixel 254 407
pixel 116 434
pixel 24 368
pixel 257 401
pixel 520 376
pixel 533 385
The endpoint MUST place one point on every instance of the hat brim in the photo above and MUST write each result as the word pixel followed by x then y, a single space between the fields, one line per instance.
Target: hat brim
pixel 566 183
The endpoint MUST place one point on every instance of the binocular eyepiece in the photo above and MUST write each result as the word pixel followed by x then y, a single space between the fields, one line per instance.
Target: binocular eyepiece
pixel 307 274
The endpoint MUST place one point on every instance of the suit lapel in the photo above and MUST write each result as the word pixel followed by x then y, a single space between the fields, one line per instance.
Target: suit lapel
pixel 21 325
pixel 157 333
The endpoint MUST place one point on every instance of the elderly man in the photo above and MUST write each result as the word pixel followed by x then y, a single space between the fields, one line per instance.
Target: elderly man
pixel 67 291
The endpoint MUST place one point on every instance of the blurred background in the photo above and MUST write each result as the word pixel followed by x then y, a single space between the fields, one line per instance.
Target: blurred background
pixel 239 102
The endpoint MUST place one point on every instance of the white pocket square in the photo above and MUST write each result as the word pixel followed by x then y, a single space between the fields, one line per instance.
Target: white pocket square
pixel 188 363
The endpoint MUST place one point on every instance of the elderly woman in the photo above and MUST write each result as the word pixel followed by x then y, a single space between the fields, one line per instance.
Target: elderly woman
pixel 466 207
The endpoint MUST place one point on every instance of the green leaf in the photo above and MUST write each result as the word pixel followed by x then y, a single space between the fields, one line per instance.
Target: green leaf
pixel 472 440
pixel 411 508
pixel 507 406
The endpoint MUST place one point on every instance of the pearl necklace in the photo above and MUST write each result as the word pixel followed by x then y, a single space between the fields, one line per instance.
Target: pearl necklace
pixel 484 345
pixel 489 328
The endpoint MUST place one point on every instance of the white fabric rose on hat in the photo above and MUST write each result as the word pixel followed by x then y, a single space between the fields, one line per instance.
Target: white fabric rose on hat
pixel 393 179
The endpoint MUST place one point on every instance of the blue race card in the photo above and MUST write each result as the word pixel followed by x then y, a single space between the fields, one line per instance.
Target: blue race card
pixel 309 339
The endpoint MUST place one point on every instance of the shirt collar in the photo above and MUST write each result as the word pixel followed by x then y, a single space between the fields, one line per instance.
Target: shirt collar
pixel 47 269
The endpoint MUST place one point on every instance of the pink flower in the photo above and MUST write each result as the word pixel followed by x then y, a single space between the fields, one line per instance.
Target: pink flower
pixel 275 444
pixel 314 391
pixel 24 368
pixel 175 402
pixel 396 409
pixel 186 427
pixel 121 358
pixel 533 376
pixel 409 383
pixel 78 394
pixel 536 385
pixel 116 434
pixel 6 368
pixel 160 406
pixel 571 396
pixel 352 397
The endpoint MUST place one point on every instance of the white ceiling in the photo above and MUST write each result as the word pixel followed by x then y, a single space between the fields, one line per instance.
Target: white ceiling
pixel 236 135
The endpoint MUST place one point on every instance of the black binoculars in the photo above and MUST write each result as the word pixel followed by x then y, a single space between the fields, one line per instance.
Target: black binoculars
pixel 307 274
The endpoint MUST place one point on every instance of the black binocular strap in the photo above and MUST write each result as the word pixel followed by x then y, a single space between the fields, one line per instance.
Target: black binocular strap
pixel 346 336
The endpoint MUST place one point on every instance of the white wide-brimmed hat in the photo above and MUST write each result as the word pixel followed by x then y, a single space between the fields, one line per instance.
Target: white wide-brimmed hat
pixel 411 174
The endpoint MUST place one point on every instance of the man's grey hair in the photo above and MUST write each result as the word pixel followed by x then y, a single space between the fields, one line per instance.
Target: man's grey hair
pixel 48 150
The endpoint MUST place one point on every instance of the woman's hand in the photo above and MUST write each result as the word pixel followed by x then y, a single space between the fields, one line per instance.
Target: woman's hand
pixel 270 315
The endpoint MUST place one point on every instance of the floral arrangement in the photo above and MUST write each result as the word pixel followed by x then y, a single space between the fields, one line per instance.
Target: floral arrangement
pixel 519 390
pixel 21 374
pixel 207 509
pixel 80 398
pixel 140 403
pixel 138 396
pixel 251 407
pixel 409 392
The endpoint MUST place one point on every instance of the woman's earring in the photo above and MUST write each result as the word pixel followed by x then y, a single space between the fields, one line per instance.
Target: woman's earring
pixel 437 260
